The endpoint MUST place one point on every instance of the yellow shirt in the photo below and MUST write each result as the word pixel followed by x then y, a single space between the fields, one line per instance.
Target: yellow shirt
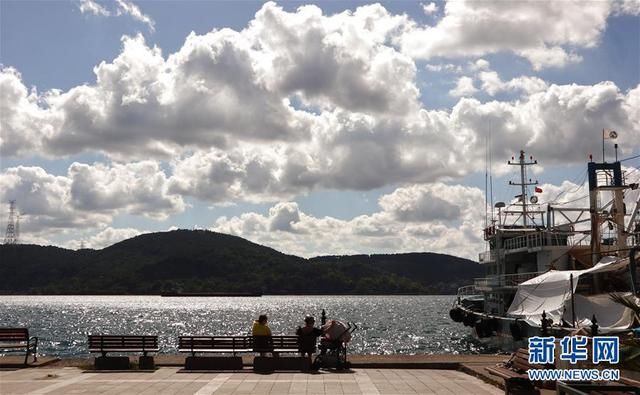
pixel 260 330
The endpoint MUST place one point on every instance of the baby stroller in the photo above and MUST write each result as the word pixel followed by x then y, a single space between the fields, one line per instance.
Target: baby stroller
pixel 333 345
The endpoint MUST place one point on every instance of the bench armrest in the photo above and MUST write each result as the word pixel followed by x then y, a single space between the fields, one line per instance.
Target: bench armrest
pixel 32 346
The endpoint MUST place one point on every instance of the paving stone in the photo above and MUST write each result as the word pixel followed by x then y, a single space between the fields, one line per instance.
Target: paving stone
pixel 166 381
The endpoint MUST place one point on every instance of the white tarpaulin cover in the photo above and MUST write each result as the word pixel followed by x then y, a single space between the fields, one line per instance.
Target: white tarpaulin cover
pixel 608 313
pixel 550 292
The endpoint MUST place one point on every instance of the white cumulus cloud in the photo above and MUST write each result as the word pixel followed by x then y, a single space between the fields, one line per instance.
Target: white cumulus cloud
pixel 464 87
pixel 93 7
pixel 126 7
pixel 544 32
pixel 430 8
pixel 406 223
pixel 88 196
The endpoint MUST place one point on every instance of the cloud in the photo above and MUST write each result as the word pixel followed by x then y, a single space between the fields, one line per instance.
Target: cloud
pixel 44 201
pixel 143 105
pixel 126 7
pixel 632 108
pixel 92 7
pixel 283 216
pixel 447 67
pixel 107 237
pixel 137 188
pixel 123 7
pixel 545 33
pixel 492 84
pixel 248 157
pixel 479 65
pixel 464 87
pixel 430 217
pixel 25 123
pixel 261 84
pixel 405 223
pixel 422 203
pixel 231 176
pixel 340 60
pixel 626 7
pixel 250 116
pixel 430 8
pixel 555 124
pixel 88 197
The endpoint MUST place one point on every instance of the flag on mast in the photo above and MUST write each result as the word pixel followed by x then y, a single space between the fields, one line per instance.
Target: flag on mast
pixel 608 135
pixel 538 190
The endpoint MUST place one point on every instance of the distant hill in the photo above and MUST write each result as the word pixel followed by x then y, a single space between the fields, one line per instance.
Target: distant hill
pixel 203 261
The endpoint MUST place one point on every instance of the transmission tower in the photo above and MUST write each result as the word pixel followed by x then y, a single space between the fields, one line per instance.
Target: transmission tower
pixel 17 230
pixel 11 235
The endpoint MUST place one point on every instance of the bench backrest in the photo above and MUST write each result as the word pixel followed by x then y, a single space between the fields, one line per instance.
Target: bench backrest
pixel 113 342
pixel 256 343
pixel 214 342
pixel 14 334
pixel 267 343
pixel 520 361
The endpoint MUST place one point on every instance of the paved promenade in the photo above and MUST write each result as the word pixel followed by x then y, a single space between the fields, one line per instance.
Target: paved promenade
pixel 169 380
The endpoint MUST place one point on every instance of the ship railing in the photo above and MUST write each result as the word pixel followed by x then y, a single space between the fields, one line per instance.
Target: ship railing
pixel 505 280
pixel 487 256
pixel 518 278
pixel 468 290
pixel 487 283
pixel 537 239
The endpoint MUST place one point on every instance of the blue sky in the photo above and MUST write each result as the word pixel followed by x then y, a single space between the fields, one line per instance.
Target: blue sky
pixel 334 127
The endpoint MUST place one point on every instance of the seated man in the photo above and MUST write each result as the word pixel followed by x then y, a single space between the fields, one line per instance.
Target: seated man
pixel 307 337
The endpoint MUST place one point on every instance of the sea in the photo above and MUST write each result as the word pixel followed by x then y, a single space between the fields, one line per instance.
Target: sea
pixel 385 324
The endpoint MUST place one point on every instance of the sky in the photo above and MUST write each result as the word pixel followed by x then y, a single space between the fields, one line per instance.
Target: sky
pixel 313 128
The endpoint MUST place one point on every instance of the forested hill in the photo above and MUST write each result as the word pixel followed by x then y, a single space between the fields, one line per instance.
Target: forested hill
pixel 203 261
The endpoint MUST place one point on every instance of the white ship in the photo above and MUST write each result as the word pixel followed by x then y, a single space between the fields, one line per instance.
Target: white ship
pixel 552 270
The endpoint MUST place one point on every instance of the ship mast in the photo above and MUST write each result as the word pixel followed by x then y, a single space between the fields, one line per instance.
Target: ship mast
pixel 523 182
pixel 606 177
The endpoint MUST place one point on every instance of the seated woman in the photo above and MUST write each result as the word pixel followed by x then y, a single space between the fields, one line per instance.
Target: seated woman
pixel 261 333
pixel 307 337
pixel 260 327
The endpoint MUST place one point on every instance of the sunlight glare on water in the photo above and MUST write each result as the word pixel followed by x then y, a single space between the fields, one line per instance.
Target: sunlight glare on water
pixel 387 324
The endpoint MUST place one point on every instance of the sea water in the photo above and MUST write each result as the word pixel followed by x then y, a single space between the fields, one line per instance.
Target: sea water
pixel 386 324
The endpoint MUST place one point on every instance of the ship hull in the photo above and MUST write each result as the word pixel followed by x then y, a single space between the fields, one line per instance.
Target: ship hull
pixel 505 333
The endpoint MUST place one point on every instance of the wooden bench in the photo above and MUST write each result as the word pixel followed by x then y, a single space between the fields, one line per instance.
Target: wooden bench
pixel 237 344
pixel 277 344
pixel 514 373
pixel 240 344
pixel 215 344
pixel 17 340
pixel 104 344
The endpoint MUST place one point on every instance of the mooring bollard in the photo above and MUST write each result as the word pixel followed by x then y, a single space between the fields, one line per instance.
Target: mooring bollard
pixel 323 317
pixel 594 326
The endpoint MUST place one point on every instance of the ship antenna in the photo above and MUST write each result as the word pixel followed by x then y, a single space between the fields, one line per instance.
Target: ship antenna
pixel 493 221
pixel 523 183
pixel 486 172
